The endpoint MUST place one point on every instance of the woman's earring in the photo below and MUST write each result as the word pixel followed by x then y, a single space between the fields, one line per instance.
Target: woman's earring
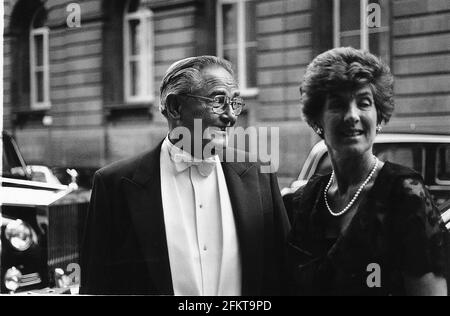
pixel 318 130
pixel 379 128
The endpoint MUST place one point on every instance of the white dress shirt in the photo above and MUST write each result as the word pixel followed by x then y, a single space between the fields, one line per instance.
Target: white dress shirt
pixel 200 228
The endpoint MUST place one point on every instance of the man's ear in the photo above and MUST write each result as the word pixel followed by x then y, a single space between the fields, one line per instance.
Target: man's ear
pixel 173 107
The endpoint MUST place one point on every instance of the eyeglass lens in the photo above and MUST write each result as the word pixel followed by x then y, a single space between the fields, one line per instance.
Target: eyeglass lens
pixel 222 101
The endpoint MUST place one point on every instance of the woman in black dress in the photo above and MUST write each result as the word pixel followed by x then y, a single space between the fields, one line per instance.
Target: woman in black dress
pixel 370 227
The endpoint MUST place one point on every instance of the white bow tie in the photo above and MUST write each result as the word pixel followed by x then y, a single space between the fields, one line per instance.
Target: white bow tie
pixel 182 161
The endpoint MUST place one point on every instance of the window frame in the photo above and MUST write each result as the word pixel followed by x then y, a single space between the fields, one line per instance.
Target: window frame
pixel 363 31
pixel 241 44
pixel 45 68
pixel 145 57
pixel 436 171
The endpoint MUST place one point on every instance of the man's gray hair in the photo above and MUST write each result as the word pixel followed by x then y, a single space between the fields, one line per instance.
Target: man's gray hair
pixel 184 76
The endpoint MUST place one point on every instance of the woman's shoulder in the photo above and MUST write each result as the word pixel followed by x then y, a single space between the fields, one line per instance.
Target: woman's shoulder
pixel 410 197
pixel 396 178
pixel 416 224
pixel 404 180
pixel 397 170
pixel 302 200
pixel 309 188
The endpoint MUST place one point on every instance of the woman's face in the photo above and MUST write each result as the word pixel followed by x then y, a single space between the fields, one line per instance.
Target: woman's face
pixel 349 121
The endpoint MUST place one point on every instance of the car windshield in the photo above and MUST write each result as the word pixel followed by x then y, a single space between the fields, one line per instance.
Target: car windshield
pixel 410 155
pixel 12 166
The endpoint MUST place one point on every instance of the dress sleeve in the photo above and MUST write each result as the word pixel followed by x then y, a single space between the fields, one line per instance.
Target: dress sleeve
pixel 418 230
pixel 290 201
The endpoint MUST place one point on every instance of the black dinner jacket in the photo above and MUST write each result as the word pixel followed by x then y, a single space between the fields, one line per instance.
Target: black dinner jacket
pixel 124 250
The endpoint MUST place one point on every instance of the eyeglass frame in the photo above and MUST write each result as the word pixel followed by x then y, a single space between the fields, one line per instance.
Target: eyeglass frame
pixel 222 109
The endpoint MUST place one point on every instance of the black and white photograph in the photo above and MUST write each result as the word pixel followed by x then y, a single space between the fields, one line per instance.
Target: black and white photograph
pixel 243 149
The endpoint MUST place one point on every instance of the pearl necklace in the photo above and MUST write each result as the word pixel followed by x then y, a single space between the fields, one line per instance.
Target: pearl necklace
pixel 349 205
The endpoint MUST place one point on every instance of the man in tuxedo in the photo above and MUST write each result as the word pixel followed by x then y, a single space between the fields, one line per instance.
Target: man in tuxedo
pixel 177 220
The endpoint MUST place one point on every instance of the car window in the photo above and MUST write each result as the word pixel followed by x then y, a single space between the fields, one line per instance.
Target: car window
pixel 11 164
pixel 443 163
pixel 410 155
pixel 324 166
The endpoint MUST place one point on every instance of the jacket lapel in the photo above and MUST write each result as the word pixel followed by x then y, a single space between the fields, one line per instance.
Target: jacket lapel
pixel 143 194
pixel 243 187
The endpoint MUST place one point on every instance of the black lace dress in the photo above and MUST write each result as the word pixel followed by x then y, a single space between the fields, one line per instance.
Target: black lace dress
pixel 396 229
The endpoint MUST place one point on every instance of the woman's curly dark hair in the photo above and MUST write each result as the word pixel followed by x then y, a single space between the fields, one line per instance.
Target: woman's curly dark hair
pixel 346 68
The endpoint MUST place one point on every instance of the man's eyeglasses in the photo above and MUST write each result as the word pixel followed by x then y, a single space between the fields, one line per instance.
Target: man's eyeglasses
pixel 220 102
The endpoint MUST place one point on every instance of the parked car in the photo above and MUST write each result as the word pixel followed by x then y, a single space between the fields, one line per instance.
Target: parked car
pixel 428 154
pixel 41 226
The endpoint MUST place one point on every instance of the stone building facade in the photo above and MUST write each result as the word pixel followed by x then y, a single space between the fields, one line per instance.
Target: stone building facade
pixel 81 89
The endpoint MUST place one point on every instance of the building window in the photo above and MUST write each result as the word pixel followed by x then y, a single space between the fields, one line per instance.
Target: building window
pixel 236 40
pixel 39 68
pixel 363 24
pixel 138 54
